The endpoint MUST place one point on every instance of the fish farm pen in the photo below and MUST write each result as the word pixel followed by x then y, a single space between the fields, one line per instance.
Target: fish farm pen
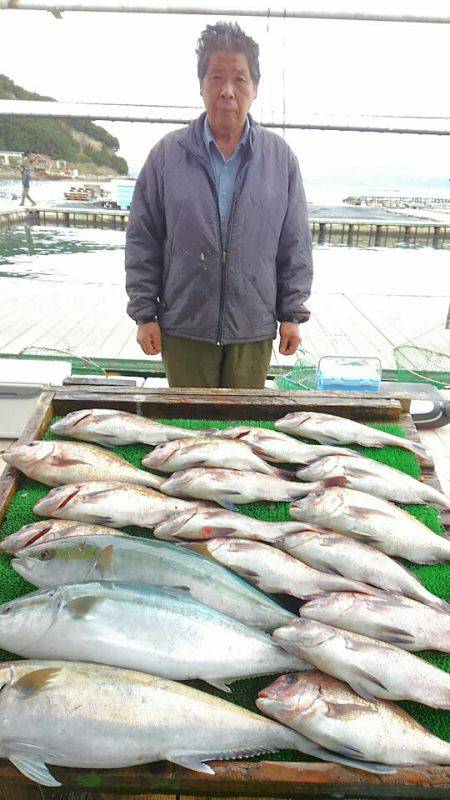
pixel 283 775
pixel 345 231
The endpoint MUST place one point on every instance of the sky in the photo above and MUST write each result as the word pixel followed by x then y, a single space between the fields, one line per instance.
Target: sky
pixel 308 66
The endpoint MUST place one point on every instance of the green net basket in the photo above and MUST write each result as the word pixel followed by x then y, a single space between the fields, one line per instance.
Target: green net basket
pixel 303 375
pixel 421 365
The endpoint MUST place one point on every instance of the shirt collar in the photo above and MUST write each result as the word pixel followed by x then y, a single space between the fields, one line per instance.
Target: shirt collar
pixel 209 136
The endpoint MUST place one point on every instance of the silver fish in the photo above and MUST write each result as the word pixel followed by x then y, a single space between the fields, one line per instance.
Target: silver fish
pixel 150 563
pixel 394 619
pixel 342 555
pixel 161 631
pixel 187 453
pixel 276 446
pixel 332 430
pixel 273 571
pixel 330 713
pixel 367 475
pixel 230 486
pixel 208 523
pixel 112 504
pixel 373 669
pixel 373 521
pixel 110 427
pixel 49 529
pixel 57 463
pixel 72 714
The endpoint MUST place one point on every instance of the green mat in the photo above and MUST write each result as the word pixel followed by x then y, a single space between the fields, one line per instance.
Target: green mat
pixel 436 578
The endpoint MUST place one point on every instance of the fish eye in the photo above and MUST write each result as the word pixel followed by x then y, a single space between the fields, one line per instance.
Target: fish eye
pixel 46 555
pixel 6 609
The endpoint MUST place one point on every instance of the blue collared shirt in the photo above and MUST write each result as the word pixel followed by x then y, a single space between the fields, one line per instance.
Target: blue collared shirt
pixel 225 170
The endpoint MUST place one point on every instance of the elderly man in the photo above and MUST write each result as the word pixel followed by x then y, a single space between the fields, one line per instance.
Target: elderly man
pixel 218 242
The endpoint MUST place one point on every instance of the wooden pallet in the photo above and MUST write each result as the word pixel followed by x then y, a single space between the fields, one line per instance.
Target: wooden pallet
pixel 238 779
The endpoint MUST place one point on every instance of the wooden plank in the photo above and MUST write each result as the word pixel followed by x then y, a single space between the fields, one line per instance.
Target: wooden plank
pixel 252 779
pixel 34 429
pixel 226 403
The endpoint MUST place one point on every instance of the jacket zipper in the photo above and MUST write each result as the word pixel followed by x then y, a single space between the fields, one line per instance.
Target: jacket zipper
pixel 224 250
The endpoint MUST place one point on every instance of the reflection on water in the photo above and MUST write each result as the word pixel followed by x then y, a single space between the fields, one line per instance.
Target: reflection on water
pixel 80 255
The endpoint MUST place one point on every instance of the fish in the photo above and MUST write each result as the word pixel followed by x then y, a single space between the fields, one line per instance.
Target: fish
pixel 150 563
pixel 111 427
pixel 228 454
pixel 56 463
pixel 49 529
pixel 161 631
pixel 373 669
pixel 331 714
pixel 341 555
pixel 367 475
pixel 230 486
pixel 273 571
pixel 208 523
pixel 76 714
pixel 331 430
pixel 112 504
pixel 276 446
pixel 372 521
pixel 394 619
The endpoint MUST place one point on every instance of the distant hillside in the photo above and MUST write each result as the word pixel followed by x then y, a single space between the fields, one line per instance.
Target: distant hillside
pixel 74 140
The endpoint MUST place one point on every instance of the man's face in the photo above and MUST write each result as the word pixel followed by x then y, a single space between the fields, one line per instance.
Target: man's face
pixel 228 91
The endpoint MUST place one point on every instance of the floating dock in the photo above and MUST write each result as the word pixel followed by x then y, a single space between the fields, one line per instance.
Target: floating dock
pixel 351 231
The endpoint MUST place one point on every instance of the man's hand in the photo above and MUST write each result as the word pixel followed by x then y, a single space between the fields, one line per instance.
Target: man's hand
pixel 149 338
pixel 289 338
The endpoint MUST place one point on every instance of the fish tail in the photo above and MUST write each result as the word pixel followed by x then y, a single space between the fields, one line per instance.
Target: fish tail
pixel 305 745
pixel 423 455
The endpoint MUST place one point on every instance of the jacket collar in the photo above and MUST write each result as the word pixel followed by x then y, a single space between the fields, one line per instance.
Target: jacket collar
pixel 192 138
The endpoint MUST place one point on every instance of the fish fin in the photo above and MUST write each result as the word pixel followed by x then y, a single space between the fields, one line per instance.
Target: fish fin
pixel 347 711
pixel 108 522
pixel 217 531
pixel 33 682
pixel 365 684
pixel 34 768
pixel 226 504
pixel 246 573
pixel 396 635
pixel 356 472
pixel 201 462
pixel 218 684
pixel 81 606
pixel 190 762
pixel 63 461
pixel 332 571
pixel 365 513
pixel 184 589
pixel 104 560
pixel 329 755
pixel 95 494
pixel 108 440
pixel 339 480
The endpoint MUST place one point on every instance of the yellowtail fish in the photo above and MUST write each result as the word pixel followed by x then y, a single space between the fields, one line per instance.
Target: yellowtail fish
pixel 76 714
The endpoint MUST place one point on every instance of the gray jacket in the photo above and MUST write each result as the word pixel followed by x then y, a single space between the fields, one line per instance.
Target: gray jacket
pixel 177 265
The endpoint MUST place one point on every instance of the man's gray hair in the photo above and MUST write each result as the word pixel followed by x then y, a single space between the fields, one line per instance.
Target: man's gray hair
pixel 227 36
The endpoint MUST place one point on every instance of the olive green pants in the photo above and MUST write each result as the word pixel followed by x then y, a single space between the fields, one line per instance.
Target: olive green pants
pixel 201 365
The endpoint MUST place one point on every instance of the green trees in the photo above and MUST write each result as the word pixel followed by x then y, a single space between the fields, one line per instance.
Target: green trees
pixel 56 137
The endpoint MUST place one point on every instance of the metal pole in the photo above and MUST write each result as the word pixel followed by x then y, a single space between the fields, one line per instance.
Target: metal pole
pixel 289 10
pixel 433 126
